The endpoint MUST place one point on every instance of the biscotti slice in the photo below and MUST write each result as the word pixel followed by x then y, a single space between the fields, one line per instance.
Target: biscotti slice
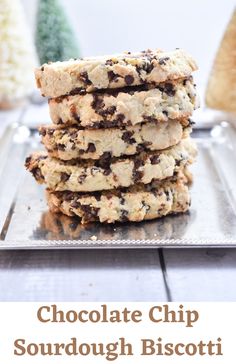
pixel 129 106
pixel 113 71
pixel 138 203
pixel 109 173
pixel 72 143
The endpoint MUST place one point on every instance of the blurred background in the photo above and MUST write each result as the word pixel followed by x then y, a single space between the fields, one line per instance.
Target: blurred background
pixel 106 26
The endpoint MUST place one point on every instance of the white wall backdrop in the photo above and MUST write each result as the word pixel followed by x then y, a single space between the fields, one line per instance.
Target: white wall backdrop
pixel 106 26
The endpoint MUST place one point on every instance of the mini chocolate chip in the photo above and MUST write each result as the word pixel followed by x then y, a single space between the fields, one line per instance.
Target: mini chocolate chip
pixel 64 177
pixel 124 216
pixel 127 137
pixel 122 200
pixel 27 161
pixel 155 159
pixel 61 146
pixel 137 175
pixel 50 132
pixel 89 211
pixel 75 204
pixel 84 77
pixel 167 193
pixel 77 91
pixel 169 89
pixel 112 76
pixel 91 148
pixel 97 102
pixel 120 118
pixel 59 121
pixel 42 68
pixel 68 196
pixel 97 195
pixel 111 110
pixel 165 112
pixel 37 173
pixel 108 62
pixel 162 61
pixel 42 131
pixel 73 135
pixel 129 79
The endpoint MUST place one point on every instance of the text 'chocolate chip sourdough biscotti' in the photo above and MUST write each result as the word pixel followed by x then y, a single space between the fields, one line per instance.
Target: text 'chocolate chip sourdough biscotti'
pixel 119 144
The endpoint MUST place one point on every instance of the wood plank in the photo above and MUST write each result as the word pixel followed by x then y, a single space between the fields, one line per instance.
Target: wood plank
pixel 81 275
pixel 201 274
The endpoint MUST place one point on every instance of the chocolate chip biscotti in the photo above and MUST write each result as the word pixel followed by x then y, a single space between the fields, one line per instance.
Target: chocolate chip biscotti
pixel 72 143
pixel 129 106
pixel 137 203
pixel 109 173
pixel 115 71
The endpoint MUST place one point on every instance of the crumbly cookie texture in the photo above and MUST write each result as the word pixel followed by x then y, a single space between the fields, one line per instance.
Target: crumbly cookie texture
pixel 114 71
pixel 137 203
pixel 129 106
pixel 71 143
pixel 108 173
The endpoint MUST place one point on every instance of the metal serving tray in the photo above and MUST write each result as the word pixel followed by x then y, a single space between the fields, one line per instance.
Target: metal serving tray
pixel 25 222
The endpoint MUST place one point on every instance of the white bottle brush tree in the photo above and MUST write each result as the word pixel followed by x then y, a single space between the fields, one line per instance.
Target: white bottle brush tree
pixel 55 40
pixel 17 56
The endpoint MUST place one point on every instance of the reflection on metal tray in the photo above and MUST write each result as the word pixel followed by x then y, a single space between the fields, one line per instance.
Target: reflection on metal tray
pixel 25 222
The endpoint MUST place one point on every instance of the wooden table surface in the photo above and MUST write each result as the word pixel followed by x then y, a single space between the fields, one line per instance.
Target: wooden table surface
pixel 114 275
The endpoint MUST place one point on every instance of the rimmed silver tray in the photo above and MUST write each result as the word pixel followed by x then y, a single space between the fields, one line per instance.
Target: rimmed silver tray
pixel 25 222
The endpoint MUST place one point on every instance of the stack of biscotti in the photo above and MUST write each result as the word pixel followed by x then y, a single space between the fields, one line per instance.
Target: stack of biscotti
pixel 119 145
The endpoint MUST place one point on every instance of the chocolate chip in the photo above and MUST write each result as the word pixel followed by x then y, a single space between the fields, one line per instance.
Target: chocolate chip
pixel 122 200
pixel 50 132
pixel 124 216
pixel 120 118
pixel 169 89
pixel 27 161
pixel 68 196
pixel 91 148
pixel 113 77
pixel 73 135
pixel 61 146
pixel 59 121
pixel 64 177
pixel 75 204
pixel 84 77
pixel 77 91
pixel 165 112
pixel 97 102
pixel 137 175
pixel 162 61
pixel 42 131
pixel 90 212
pixel 37 174
pixel 167 193
pixel 127 137
pixel 97 195
pixel 108 62
pixel 148 67
pixel 129 79
pixel 155 159
pixel 42 68
pixel 111 110
pixel 104 162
